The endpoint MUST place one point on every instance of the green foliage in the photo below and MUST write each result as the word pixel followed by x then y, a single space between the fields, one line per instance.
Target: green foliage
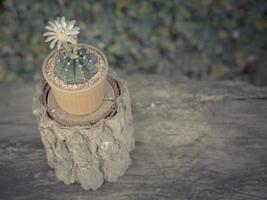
pixel 214 39
pixel 77 70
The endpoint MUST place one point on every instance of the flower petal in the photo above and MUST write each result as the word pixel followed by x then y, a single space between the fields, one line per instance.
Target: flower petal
pixel 49 28
pixel 71 40
pixel 50 38
pixel 63 19
pixel 52 24
pixel 52 44
pixel 71 24
pixel 63 22
pixel 57 24
pixel 73 32
pixel 76 28
pixel 48 33
pixel 58 45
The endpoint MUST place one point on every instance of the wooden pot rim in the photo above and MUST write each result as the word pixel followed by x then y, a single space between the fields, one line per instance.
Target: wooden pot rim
pixel 82 89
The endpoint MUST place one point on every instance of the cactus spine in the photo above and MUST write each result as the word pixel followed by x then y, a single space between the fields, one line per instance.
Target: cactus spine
pixel 76 70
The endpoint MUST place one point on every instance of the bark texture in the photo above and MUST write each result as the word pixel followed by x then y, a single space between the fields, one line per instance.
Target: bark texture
pixel 87 154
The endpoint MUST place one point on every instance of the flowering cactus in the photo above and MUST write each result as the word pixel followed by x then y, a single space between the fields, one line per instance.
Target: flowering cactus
pixel 74 65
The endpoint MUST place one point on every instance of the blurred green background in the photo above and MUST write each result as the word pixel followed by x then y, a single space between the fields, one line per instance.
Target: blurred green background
pixel 203 39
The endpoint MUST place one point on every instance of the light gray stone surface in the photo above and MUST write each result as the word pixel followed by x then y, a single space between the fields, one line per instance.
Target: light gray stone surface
pixel 194 141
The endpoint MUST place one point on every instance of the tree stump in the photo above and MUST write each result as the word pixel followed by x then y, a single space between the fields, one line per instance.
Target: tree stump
pixel 87 149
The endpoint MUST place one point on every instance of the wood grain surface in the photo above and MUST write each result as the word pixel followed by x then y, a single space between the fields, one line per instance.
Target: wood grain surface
pixel 194 141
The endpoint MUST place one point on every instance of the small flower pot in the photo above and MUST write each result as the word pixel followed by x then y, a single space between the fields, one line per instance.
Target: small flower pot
pixel 81 101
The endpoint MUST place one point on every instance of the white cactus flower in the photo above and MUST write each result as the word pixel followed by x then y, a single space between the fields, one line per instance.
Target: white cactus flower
pixel 61 31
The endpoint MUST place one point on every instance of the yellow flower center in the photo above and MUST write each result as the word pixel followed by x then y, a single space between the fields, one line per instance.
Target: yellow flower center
pixel 61 34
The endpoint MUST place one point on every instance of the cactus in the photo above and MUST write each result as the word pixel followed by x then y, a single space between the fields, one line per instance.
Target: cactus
pixel 74 65
pixel 76 70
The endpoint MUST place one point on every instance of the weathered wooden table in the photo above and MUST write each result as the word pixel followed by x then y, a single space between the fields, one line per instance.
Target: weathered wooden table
pixel 194 140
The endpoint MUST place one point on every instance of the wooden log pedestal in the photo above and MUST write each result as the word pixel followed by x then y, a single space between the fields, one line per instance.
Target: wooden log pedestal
pixel 87 149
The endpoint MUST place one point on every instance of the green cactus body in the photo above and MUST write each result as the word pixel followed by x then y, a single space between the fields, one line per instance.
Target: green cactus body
pixel 76 70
